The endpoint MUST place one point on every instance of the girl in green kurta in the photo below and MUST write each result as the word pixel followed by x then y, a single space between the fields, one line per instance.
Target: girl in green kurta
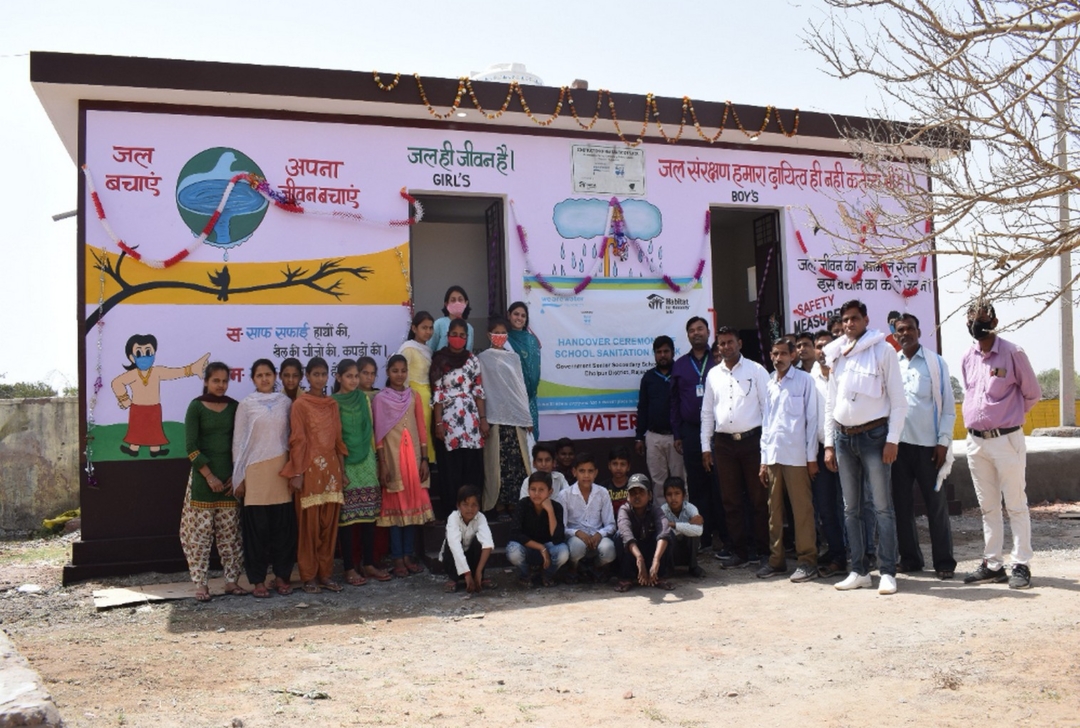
pixel 210 510
pixel 363 496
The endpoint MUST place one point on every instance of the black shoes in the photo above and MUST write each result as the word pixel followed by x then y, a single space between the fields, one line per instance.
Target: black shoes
pixel 985 574
pixel 1021 577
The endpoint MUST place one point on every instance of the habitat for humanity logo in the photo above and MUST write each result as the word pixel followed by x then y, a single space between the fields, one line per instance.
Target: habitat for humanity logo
pixel 668 305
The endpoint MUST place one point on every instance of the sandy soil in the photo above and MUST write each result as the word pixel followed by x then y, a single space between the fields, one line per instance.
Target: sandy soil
pixel 727 649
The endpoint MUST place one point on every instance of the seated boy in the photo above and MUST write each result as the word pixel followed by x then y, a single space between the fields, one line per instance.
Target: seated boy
pixel 644 534
pixel 564 457
pixel 544 460
pixel 619 466
pixel 590 519
pixel 538 537
pixel 468 543
pixel 685 523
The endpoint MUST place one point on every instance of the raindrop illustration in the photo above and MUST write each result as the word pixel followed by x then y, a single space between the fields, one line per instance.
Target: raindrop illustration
pixel 562 271
pixel 581 265
pixel 584 251
pixel 562 251
pixel 614 270
pixel 573 261
pixel 225 257
pixel 650 247
pixel 594 250
pixel 660 252
pixel 641 256
pixel 554 269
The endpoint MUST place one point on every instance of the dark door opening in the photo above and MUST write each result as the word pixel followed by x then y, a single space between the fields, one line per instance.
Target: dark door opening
pixel 746 268
pixel 461 241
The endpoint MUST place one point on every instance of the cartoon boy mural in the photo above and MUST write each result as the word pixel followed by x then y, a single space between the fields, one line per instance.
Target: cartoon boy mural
pixel 144 403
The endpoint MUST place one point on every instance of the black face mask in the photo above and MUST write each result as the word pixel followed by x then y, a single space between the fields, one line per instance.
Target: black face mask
pixel 979 330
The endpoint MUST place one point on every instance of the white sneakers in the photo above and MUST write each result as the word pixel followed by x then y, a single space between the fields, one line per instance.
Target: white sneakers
pixel 887 585
pixel 854 581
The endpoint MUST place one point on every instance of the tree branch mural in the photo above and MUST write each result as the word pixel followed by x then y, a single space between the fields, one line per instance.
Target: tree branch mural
pixel 328 278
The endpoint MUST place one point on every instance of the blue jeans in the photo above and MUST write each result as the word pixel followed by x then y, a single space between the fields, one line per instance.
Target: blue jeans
pixel 859 460
pixel 828 502
pixel 402 541
pixel 524 557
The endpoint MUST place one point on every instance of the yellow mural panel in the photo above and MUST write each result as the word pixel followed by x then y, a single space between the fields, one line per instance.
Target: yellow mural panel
pixel 372 279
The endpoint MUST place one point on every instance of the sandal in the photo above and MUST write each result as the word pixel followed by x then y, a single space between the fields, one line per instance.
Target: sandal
pixel 377 574
pixel 487 584
pixel 547 580
pixel 201 595
pixel 450 587
pixel 623 586
pixel 413 567
pixel 331 585
pixel 665 585
pixel 283 588
pixel 235 591
pixel 400 572
pixel 525 581
pixel 355 580
pixel 311 587
pixel 260 591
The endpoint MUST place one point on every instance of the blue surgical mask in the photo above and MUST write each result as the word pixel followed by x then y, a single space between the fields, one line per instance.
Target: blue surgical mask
pixel 144 362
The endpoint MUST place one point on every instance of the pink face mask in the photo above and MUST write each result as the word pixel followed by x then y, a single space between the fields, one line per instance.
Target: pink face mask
pixel 456 308
pixel 456 341
pixel 497 340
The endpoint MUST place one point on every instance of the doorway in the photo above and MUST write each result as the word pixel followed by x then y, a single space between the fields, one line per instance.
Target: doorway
pixel 461 241
pixel 746 275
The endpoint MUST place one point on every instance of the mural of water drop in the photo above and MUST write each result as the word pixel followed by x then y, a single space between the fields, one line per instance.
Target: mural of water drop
pixel 581 265
pixel 660 252
pixel 554 269
pixel 650 247
pixel 573 261
pixel 562 251
pixel 584 250
pixel 614 270
pixel 562 271
pixel 594 250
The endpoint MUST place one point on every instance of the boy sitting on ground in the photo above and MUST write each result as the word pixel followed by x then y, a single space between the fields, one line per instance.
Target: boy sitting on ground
pixel 538 538
pixel 685 523
pixel 645 538
pixel 590 519
pixel 468 543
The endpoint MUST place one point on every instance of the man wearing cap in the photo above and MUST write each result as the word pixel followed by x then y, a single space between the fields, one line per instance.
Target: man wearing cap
pixel 865 408
pixel 644 536
pixel 999 390
pixel 731 416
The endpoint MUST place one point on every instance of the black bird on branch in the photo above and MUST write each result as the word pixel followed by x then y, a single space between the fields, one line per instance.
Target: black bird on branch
pixel 327 278
pixel 221 278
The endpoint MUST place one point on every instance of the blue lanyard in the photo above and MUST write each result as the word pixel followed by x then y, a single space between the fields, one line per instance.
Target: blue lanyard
pixel 665 378
pixel 700 371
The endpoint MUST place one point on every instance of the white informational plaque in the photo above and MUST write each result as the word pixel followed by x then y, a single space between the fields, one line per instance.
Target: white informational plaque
pixel 602 169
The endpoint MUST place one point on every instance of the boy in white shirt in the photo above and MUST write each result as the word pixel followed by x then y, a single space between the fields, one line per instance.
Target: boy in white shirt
pixel 468 543
pixel 685 523
pixel 544 462
pixel 589 517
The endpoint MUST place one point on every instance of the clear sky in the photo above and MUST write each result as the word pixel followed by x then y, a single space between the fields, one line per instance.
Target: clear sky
pixel 746 52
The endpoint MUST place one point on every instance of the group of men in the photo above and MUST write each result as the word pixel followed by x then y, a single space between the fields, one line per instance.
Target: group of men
pixel 836 438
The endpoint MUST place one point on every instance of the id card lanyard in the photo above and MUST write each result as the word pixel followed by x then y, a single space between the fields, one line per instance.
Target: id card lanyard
pixel 700 389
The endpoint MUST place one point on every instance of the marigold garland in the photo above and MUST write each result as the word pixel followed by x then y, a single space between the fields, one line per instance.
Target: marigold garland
pixel 652 111
pixel 275 197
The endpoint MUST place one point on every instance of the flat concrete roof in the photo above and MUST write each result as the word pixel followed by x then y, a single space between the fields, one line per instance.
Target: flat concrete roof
pixel 63 81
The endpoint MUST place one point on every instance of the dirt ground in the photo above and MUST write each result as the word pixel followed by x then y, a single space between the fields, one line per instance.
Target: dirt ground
pixel 726 649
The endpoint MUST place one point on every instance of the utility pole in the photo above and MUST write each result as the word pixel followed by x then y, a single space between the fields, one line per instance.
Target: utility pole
pixel 1067 398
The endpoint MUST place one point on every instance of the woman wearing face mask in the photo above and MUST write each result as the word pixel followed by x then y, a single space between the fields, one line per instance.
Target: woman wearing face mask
pixel 459 415
pixel 506 453
pixel 455 306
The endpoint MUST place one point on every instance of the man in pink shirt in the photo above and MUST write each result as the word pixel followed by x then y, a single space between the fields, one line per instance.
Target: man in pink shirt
pixel 999 389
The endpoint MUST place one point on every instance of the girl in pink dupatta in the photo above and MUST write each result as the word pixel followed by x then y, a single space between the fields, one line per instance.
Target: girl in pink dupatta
pixel 401 451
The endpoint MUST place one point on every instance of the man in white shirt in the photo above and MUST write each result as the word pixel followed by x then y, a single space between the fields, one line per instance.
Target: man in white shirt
pixel 864 416
pixel 731 417
pixel 925 446
pixel 788 462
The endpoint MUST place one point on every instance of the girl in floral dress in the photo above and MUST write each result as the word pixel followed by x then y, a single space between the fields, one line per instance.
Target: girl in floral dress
pixel 459 415
pixel 403 466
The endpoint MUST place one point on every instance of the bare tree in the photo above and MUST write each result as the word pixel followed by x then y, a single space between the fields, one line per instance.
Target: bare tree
pixel 979 80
